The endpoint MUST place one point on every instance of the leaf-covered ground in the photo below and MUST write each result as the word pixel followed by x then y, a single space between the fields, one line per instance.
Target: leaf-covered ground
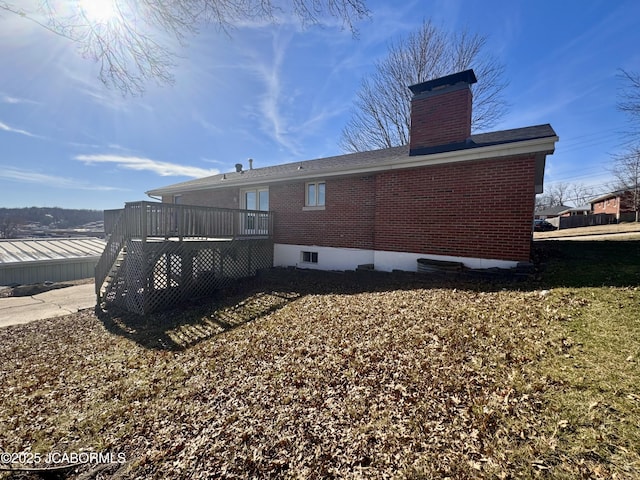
pixel 317 375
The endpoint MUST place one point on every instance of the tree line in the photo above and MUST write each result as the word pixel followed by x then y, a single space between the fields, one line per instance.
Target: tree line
pixel 11 219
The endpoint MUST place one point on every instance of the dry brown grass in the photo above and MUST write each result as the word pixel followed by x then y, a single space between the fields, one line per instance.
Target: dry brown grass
pixel 631 229
pixel 313 375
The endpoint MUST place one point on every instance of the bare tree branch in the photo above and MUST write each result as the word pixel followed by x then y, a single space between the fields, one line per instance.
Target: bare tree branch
pixel 381 116
pixel 561 193
pixel 630 102
pixel 581 194
pixel 556 195
pixel 135 44
pixel 626 165
pixel 626 171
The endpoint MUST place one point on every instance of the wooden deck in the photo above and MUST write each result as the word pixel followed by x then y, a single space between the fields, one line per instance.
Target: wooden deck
pixel 160 255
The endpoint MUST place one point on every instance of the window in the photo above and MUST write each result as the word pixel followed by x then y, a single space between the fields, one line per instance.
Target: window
pixel 315 194
pixel 255 199
pixel 309 257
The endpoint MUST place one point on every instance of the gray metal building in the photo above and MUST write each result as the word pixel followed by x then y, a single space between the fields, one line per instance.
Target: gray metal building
pixel 35 260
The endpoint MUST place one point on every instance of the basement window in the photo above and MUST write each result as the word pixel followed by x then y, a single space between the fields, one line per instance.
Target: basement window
pixel 309 257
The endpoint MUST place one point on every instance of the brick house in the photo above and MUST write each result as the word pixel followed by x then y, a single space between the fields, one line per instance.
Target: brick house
pixel 619 203
pixel 550 213
pixel 448 195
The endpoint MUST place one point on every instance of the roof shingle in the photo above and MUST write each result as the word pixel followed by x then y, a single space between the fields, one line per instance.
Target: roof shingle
pixel 351 161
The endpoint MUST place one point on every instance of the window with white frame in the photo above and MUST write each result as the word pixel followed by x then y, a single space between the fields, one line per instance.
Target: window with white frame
pixel 309 257
pixel 253 199
pixel 315 194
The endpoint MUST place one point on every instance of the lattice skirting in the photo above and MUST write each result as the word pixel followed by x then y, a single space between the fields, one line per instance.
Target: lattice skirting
pixel 160 275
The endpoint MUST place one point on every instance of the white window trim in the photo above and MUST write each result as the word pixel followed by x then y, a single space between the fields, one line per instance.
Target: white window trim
pixel 307 207
pixel 243 191
pixel 245 218
pixel 311 256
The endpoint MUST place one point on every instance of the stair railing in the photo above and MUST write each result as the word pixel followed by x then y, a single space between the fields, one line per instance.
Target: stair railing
pixel 152 220
pixel 111 251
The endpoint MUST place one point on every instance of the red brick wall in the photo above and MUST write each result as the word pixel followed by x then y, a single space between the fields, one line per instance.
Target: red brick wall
pixel 346 221
pixel 440 119
pixel 480 209
pixel 610 205
pixel 473 209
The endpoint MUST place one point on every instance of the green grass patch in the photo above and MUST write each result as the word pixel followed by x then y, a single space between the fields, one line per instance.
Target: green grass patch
pixel 603 263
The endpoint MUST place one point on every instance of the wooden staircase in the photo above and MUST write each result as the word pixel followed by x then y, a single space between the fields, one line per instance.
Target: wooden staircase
pixel 158 255
pixel 111 261
pixel 114 275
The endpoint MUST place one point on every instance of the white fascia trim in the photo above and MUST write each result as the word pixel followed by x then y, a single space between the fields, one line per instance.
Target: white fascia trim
pixel 456 156
pixel 536 145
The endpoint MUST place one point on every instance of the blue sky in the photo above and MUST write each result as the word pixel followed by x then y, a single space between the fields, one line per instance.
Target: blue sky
pixel 281 93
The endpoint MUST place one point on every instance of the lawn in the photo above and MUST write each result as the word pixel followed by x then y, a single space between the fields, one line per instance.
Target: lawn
pixel 305 374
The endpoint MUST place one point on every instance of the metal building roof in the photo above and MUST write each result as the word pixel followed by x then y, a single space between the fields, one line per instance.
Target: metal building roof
pixel 44 249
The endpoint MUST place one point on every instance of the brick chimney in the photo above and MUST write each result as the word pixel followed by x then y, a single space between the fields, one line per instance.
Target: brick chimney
pixel 441 112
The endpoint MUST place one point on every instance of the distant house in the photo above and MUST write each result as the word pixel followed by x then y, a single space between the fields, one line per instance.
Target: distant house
pixel 551 212
pixel 618 203
pixel 448 195
pixel 576 211
pixel 562 216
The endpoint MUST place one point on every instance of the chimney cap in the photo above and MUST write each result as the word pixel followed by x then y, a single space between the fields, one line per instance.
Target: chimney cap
pixel 468 77
pixel 238 167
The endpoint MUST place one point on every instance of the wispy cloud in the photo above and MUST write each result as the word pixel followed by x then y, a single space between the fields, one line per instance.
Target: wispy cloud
pixel 29 176
pixel 15 100
pixel 268 70
pixel 211 160
pixel 105 99
pixel 537 112
pixel 164 169
pixel 110 146
pixel 101 95
pixel 7 128
pixel 83 145
pixel 206 125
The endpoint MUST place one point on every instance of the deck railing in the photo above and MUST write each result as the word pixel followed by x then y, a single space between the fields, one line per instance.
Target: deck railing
pixel 146 221
pixel 111 218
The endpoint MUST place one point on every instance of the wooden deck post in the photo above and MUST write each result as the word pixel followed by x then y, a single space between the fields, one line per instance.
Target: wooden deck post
pixel 143 222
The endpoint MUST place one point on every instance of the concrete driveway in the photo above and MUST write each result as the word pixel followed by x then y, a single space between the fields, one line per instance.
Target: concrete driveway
pixel 54 303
